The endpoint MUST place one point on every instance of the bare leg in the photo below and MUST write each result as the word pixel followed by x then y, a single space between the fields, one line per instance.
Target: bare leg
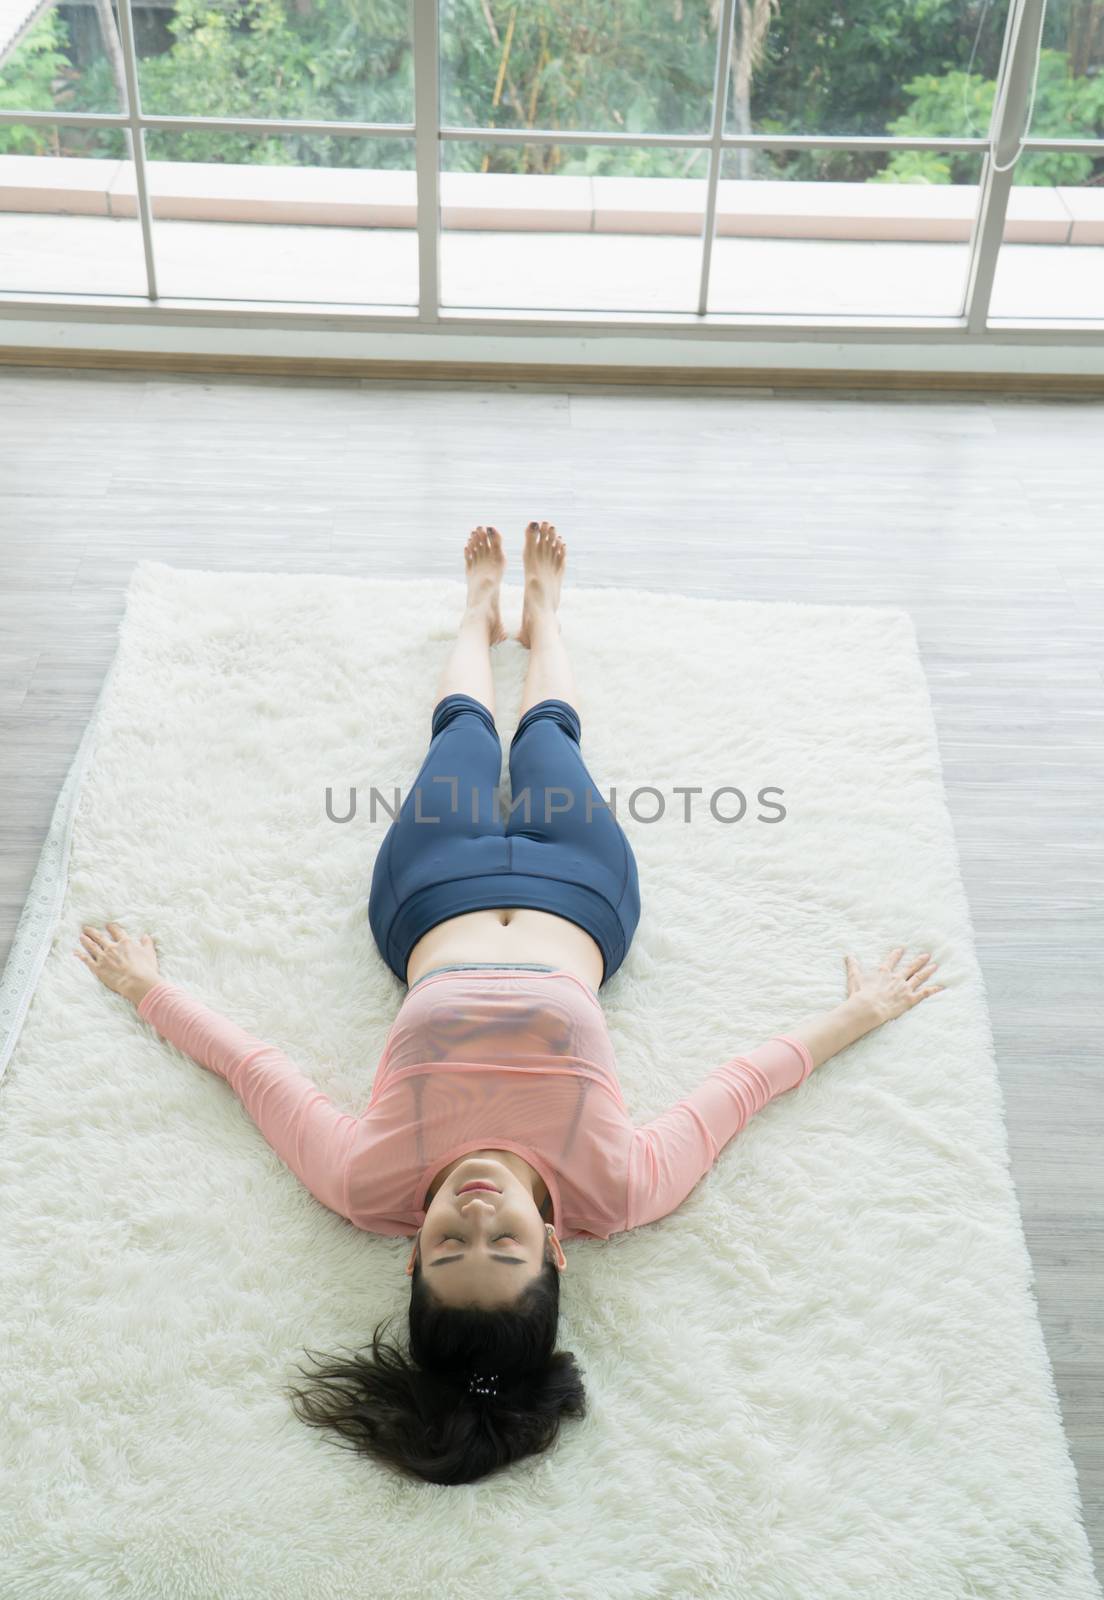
pixel 550 676
pixel 468 668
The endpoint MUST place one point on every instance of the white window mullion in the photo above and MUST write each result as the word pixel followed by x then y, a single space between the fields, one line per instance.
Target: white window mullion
pixel 1012 104
pixel 427 144
pixel 720 102
pixel 137 142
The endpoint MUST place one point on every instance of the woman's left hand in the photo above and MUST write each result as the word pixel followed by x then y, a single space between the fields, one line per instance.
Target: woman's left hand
pixel 120 962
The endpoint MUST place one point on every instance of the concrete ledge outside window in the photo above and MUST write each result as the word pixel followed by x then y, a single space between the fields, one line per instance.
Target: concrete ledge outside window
pixel 368 198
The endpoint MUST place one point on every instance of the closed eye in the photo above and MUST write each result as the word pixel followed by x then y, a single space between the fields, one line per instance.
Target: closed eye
pixel 446 1237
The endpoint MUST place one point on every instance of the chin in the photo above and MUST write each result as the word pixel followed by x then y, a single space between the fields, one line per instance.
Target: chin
pixel 480 1166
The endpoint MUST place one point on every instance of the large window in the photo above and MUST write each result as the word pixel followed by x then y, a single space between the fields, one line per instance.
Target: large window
pixel 770 162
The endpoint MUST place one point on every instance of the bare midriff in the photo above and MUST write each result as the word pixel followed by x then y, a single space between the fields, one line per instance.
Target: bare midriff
pixel 507 934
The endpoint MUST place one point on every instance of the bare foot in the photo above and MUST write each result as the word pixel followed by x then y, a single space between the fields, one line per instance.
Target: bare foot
pixel 485 561
pixel 545 556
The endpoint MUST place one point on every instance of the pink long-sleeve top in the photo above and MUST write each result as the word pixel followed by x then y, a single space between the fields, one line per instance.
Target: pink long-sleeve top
pixel 488 1059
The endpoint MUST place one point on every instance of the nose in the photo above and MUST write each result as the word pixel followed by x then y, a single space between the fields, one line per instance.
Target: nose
pixel 476 1199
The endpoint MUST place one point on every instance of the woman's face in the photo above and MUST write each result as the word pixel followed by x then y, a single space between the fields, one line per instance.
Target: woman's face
pixel 482 1247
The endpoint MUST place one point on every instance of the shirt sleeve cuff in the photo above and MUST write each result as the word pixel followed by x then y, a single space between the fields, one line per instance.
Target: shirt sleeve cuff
pixel 143 1005
pixel 802 1049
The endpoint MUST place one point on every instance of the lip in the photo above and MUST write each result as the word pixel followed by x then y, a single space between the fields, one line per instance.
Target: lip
pixel 479 1183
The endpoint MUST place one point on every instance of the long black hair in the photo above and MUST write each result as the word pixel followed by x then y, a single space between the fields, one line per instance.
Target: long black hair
pixel 412 1411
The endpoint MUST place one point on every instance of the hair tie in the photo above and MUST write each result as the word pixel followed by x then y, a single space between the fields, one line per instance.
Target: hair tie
pixel 483 1384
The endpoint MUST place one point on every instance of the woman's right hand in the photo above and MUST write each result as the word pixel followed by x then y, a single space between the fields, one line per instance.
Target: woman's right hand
pixel 890 990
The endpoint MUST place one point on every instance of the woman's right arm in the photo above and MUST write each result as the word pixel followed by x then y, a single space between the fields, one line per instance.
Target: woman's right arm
pixel 672 1153
pixel 872 998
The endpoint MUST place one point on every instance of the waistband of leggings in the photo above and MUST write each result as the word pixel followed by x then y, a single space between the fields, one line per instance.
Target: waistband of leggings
pixel 436 902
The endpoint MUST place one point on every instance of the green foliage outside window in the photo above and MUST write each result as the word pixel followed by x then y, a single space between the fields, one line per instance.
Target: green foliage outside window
pixel 27 82
pixel 1065 108
pixel 634 66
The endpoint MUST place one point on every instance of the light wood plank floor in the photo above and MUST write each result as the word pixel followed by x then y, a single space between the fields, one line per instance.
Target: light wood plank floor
pixel 980 516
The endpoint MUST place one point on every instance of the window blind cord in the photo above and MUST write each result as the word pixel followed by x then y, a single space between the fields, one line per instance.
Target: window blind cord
pixel 998 110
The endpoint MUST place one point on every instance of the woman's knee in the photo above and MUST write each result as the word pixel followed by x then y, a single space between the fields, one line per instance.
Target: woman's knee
pixel 558 712
pixel 448 712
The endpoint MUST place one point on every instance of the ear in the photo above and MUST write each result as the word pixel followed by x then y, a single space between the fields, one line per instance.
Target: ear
pixel 410 1260
pixel 557 1249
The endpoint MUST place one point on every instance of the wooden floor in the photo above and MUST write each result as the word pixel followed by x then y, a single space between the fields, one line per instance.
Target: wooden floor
pixel 981 516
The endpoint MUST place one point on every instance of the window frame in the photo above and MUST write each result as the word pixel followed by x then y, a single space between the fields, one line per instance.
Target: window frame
pixel 999 151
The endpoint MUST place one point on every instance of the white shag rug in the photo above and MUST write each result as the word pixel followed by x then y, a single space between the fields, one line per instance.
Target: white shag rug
pixel 822 1376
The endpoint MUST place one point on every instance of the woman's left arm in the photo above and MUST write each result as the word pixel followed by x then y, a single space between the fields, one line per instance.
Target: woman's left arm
pixel 308 1132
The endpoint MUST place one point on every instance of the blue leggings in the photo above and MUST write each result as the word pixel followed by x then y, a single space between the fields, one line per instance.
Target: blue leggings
pixel 453 848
